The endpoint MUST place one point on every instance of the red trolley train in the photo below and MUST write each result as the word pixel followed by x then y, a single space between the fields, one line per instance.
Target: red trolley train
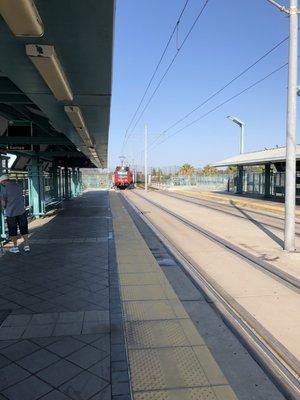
pixel 122 177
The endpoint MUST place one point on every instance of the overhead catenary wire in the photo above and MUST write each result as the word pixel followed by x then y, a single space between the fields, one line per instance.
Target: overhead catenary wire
pixel 219 106
pixel 239 75
pixel 170 64
pixel 175 30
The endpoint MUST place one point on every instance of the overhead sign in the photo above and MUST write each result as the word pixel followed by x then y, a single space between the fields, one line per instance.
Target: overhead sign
pixel 18 128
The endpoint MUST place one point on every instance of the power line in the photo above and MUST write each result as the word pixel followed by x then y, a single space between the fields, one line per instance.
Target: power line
pixel 239 75
pixel 221 104
pixel 171 63
pixel 156 69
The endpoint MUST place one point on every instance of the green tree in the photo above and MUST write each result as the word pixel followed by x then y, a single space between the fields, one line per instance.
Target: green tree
pixel 187 170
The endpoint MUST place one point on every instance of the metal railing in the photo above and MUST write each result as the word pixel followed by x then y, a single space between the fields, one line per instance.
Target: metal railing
pixel 202 182
pixel 97 181
pixel 253 183
pixel 49 196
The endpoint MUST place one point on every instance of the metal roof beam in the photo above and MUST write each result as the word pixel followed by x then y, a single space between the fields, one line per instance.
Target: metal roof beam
pixel 35 140
pixel 39 121
pixel 13 98
pixel 7 86
pixel 7 112
pixel 59 154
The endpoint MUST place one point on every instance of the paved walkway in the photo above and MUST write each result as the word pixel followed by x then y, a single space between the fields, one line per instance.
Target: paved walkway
pixel 62 335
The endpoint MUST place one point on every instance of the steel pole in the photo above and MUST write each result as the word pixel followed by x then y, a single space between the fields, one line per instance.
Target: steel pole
pixel 242 138
pixel 146 157
pixel 290 170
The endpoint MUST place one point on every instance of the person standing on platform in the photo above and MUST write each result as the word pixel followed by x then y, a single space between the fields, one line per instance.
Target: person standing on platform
pixel 13 203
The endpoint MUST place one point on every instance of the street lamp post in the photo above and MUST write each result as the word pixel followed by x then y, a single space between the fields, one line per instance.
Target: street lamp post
pixel 146 158
pixel 290 166
pixel 242 131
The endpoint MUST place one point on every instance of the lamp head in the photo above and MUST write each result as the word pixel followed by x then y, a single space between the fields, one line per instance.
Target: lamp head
pixel 235 120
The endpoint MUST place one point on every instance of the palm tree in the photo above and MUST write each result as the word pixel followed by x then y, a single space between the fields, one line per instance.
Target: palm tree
pixel 209 170
pixel 187 170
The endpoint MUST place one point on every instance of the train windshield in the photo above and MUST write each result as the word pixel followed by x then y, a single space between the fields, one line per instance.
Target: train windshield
pixel 122 174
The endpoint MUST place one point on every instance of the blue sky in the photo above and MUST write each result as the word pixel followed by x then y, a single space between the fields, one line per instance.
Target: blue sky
pixel 228 37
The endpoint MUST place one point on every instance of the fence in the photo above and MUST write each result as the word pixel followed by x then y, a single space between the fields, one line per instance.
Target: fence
pixel 43 190
pixel 253 183
pixel 96 180
pixel 201 182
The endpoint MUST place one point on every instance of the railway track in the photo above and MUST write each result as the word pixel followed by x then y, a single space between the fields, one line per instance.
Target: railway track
pixel 228 210
pixel 275 359
pixel 266 267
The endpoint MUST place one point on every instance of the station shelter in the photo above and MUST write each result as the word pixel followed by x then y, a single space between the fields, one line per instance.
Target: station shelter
pixel 261 172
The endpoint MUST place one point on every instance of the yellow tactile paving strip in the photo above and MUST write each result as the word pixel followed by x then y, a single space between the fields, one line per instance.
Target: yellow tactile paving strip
pixel 168 359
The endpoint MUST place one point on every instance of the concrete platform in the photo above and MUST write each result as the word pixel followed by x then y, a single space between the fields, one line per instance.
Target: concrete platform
pixel 62 335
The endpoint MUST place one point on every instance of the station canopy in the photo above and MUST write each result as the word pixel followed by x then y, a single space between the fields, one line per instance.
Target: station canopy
pixel 56 73
pixel 273 156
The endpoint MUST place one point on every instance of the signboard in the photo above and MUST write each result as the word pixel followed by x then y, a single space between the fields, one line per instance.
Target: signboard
pixel 19 129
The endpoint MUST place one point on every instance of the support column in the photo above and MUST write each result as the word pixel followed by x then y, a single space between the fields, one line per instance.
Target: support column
pixel 78 187
pixel 36 188
pixel 240 176
pixel 3 170
pixel 73 182
pixel 267 181
pixel 67 183
pixel 79 181
pixel 60 191
pixel 62 173
pixel 55 181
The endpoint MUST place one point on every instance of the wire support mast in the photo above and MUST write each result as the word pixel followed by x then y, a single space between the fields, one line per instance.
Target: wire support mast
pixel 291 126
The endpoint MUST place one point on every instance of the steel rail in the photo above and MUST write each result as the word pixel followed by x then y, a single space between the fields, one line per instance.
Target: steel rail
pixel 264 266
pixel 277 365
pixel 252 210
pixel 196 201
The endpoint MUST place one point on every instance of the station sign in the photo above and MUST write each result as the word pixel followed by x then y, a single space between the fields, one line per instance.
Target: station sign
pixel 17 128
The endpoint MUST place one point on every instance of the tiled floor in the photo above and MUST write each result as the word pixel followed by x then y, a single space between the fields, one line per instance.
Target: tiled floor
pixel 62 335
